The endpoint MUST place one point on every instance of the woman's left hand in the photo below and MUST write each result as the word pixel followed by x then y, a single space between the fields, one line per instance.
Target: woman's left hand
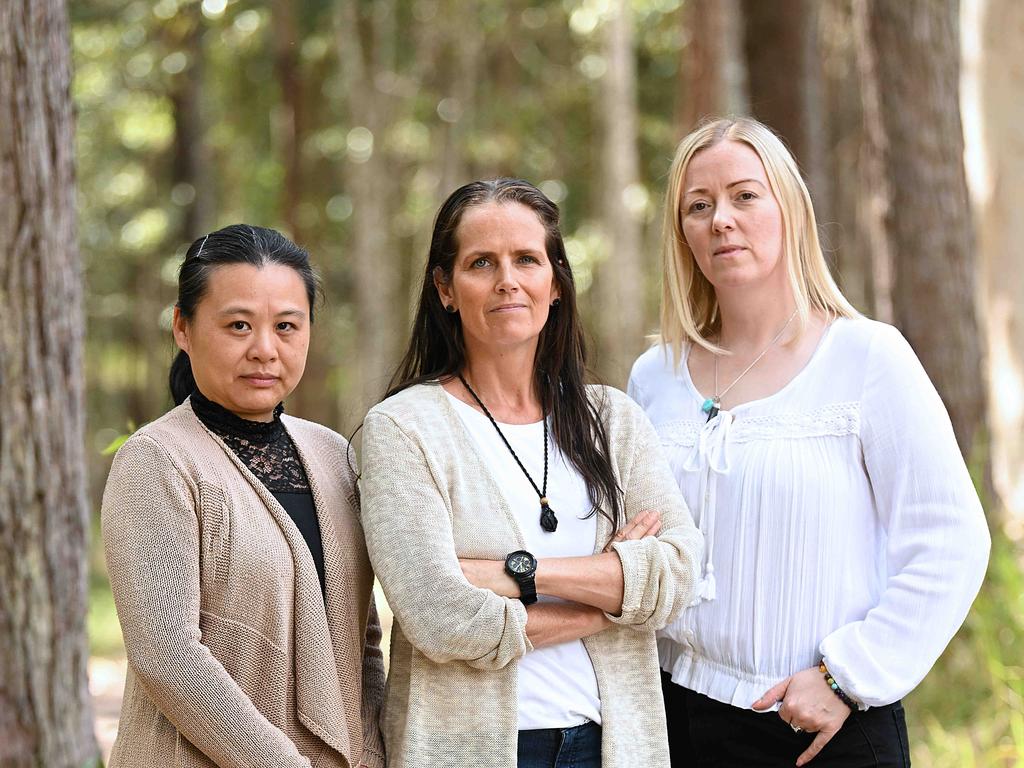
pixel 810 705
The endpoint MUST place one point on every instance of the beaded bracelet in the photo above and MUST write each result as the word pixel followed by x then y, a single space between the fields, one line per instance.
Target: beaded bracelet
pixel 835 687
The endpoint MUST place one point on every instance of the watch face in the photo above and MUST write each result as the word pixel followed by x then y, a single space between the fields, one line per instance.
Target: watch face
pixel 521 563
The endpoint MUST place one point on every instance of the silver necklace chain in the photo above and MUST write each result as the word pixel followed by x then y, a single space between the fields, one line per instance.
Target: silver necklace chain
pixel 716 401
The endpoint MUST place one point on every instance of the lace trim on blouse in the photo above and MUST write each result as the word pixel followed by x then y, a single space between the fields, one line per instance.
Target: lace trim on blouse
pixel 263 446
pixel 833 420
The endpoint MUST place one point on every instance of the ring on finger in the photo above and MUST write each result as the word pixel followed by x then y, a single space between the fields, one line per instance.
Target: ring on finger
pixel 796 728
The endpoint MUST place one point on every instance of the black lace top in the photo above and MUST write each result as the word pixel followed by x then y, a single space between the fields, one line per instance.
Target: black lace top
pixel 268 451
pixel 263 446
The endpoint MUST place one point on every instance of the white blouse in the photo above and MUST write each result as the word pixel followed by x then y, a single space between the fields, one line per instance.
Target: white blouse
pixel 839 518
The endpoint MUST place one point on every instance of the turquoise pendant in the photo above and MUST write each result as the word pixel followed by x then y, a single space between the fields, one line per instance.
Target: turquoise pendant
pixel 710 407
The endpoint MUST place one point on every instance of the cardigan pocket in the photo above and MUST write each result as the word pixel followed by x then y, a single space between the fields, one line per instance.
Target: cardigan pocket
pixel 216 526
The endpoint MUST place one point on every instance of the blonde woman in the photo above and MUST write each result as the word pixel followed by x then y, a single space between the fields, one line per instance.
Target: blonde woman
pixel 844 539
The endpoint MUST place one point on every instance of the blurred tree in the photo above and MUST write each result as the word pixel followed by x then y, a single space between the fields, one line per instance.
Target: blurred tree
pixel 995 158
pixel 914 117
pixel 620 277
pixel 784 75
pixel 872 182
pixel 45 711
pixel 290 110
pixel 190 171
pixel 368 60
pixel 712 81
pixel 844 237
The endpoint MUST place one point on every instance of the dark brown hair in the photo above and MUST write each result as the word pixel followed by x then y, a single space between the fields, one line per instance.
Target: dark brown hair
pixel 437 350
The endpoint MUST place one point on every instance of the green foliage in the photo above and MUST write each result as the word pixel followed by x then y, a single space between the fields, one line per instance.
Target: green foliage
pixel 969 711
pixel 118 441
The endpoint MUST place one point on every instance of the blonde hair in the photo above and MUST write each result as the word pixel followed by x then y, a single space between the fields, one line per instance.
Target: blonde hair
pixel 689 306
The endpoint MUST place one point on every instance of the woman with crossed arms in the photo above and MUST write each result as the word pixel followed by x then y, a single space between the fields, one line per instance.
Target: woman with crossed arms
pixel 492 474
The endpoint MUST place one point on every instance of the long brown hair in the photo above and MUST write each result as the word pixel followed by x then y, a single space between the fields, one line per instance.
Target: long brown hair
pixel 437 349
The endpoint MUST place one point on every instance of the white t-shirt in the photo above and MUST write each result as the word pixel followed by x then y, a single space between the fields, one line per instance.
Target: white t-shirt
pixel 557 684
pixel 839 521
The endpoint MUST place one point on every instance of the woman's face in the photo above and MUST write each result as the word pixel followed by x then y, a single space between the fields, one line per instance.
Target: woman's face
pixel 502 282
pixel 248 338
pixel 731 220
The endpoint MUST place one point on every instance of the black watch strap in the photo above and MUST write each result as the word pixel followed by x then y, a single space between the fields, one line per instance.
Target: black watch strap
pixel 527 589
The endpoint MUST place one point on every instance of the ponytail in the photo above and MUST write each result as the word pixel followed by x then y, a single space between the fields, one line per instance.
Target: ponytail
pixel 181 380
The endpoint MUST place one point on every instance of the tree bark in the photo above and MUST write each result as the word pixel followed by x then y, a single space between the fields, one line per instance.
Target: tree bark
pixel 290 123
pixel 845 237
pixel 620 275
pixel 45 711
pixel 914 127
pixel 995 161
pixel 366 53
pixel 712 82
pixel 785 81
pixel 190 164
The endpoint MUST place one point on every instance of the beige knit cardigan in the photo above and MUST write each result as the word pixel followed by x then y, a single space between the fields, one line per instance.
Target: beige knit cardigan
pixel 233 658
pixel 428 499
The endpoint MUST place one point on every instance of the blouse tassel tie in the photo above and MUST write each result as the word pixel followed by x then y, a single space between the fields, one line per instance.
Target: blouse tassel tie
pixel 710 457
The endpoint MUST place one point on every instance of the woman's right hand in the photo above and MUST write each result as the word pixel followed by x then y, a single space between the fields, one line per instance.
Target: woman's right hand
pixel 647 523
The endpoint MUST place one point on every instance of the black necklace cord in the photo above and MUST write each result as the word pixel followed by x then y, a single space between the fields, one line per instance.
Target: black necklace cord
pixel 548 520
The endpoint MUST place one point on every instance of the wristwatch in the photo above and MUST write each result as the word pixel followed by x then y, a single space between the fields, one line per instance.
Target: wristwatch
pixel 522 566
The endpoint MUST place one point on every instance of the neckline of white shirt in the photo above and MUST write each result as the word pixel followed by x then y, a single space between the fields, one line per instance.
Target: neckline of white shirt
pixel 826 336
pixel 465 407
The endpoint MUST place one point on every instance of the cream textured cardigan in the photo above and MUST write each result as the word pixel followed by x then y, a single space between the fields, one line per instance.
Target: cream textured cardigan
pixel 428 499
pixel 232 659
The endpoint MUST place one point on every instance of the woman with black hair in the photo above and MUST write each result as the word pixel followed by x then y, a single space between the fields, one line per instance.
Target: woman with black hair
pixel 235 554
pixel 493 474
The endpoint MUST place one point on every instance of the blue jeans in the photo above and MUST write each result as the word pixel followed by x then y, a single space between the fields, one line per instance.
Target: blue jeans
pixel 578 747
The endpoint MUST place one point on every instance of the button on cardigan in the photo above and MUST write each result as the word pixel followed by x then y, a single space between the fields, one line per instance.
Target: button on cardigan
pixel 236 658
pixel 839 517
pixel 428 499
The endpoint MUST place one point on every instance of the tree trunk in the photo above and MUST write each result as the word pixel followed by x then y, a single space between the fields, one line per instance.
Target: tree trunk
pixel 995 160
pixel 366 53
pixel 289 125
pixel 843 238
pixel 712 81
pixel 785 81
pixel 45 711
pixel 191 179
pixel 914 125
pixel 620 275
pixel 874 197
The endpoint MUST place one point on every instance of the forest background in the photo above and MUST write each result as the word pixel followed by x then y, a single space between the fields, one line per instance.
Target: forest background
pixel 345 123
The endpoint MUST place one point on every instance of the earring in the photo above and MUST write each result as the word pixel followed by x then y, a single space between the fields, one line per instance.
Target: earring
pixel 556 303
pixel 450 309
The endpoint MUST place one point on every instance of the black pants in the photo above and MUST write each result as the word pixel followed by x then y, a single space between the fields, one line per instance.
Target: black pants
pixel 703 733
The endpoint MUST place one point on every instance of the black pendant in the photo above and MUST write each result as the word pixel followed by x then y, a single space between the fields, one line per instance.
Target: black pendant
pixel 712 412
pixel 548 521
